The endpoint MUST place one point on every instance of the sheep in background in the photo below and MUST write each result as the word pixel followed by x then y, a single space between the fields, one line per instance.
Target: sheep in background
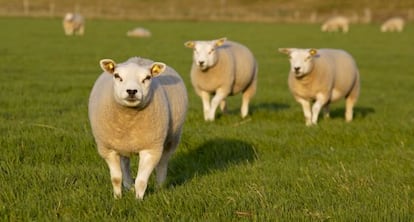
pixel 139 32
pixel 222 68
pixel 322 76
pixel 336 24
pixel 73 24
pixel 137 107
pixel 395 24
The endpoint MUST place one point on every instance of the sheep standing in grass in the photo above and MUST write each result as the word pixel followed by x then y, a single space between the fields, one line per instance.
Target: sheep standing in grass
pixel 139 32
pixel 336 24
pixel 137 107
pixel 73 24
pixel 222 68
pixel 395 24
pixel 322 76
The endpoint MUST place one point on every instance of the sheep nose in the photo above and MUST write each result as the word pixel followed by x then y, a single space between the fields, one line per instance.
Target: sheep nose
pixel 200 63
pixel 132 92
pixel 297 69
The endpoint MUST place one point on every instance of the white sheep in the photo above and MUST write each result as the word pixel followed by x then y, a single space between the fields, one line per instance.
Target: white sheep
pixel 222 68
pixel 336 24
pixel 322 76
pixel 139 32
pixel 137 107
pixel 73 24
pixel 395 24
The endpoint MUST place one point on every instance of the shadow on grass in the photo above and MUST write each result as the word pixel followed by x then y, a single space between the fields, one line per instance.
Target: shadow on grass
pixel 210 156
pixel 359 112
pixel 268 107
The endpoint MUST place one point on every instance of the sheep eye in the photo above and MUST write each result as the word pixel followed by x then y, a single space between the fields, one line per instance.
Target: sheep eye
pixel 211 51
pixel 148 77
pixel 116 75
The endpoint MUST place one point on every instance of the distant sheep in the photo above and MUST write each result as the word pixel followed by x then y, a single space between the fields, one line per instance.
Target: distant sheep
pixel 322 76
pixel 222 68
pixel 395 24
pixel 137 107
pixel 73 24
pixel 336 24
pixel 139 33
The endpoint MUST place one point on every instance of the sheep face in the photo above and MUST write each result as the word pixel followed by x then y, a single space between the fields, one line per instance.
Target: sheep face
pixel 301 60
pixel 204 52
pixel 131 81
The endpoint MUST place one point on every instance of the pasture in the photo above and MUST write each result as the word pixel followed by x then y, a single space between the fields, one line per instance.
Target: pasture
pixel 268 167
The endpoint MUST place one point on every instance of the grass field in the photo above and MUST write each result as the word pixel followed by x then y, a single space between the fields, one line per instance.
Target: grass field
pixel 269 167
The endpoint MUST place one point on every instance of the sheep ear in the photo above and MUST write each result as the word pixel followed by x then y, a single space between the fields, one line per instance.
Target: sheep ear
pixel 189 44
pixel 313 52
pixel 220 42
pixel 284 51
pixel 108 65
pixel 157 68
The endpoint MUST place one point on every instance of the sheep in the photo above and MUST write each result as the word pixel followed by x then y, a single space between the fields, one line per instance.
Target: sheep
pixel 395 24
pixel 133 109
pixel 222 68
pixel 139 32
pixel 73 24
pixel 336 24
pixel 322 76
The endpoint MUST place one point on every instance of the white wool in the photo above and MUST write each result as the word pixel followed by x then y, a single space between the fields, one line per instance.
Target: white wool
pixel 322 76
pixel 73 24
pixel 137 107
pixel 336 24
pixel 395 24
pixel 220 69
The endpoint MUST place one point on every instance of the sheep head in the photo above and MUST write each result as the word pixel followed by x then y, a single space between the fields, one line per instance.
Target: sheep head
pixel 301 60
pixel 204 52
pixel 132 82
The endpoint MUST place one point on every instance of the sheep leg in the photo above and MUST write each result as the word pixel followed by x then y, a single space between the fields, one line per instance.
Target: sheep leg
pixel 162 166
pixel 317 106
pixel 112 158
pixel 306 107
pixel 223 106
pixel 326 111
pixel 220 95
pixel 350 102
pixel 205 98
pixel 127 180
pixel 148 159
pixel 247 96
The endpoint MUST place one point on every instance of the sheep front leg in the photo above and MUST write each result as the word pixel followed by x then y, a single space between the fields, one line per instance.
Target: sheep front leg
pixel 215 102
pixel 205 98
pixel 148 159
pixel 112 158
pixel 306 107
pixel 321 100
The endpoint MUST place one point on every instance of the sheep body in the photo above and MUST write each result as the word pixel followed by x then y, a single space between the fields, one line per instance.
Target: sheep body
pixel 222 68
pixel 336 24
pixel 322 76
pixel 395 24
pixel 139 32
pixel 135 111
pixel 73 24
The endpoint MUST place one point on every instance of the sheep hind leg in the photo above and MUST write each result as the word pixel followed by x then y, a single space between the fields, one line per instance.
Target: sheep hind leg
pixel 247 96
pixel 127 180
pixel 148 159
pixel 350 101
pixel 162 167
pixel 223 106
pixel 325 110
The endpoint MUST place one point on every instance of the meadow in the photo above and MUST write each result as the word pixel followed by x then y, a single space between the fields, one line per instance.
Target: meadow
pixel 268 167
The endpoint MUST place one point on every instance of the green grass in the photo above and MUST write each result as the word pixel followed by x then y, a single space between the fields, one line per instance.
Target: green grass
pixel 269 167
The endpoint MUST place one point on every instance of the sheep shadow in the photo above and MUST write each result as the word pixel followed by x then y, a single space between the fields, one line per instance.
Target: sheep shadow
pixel 213 155
pixel 359 112
pixel 268 107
